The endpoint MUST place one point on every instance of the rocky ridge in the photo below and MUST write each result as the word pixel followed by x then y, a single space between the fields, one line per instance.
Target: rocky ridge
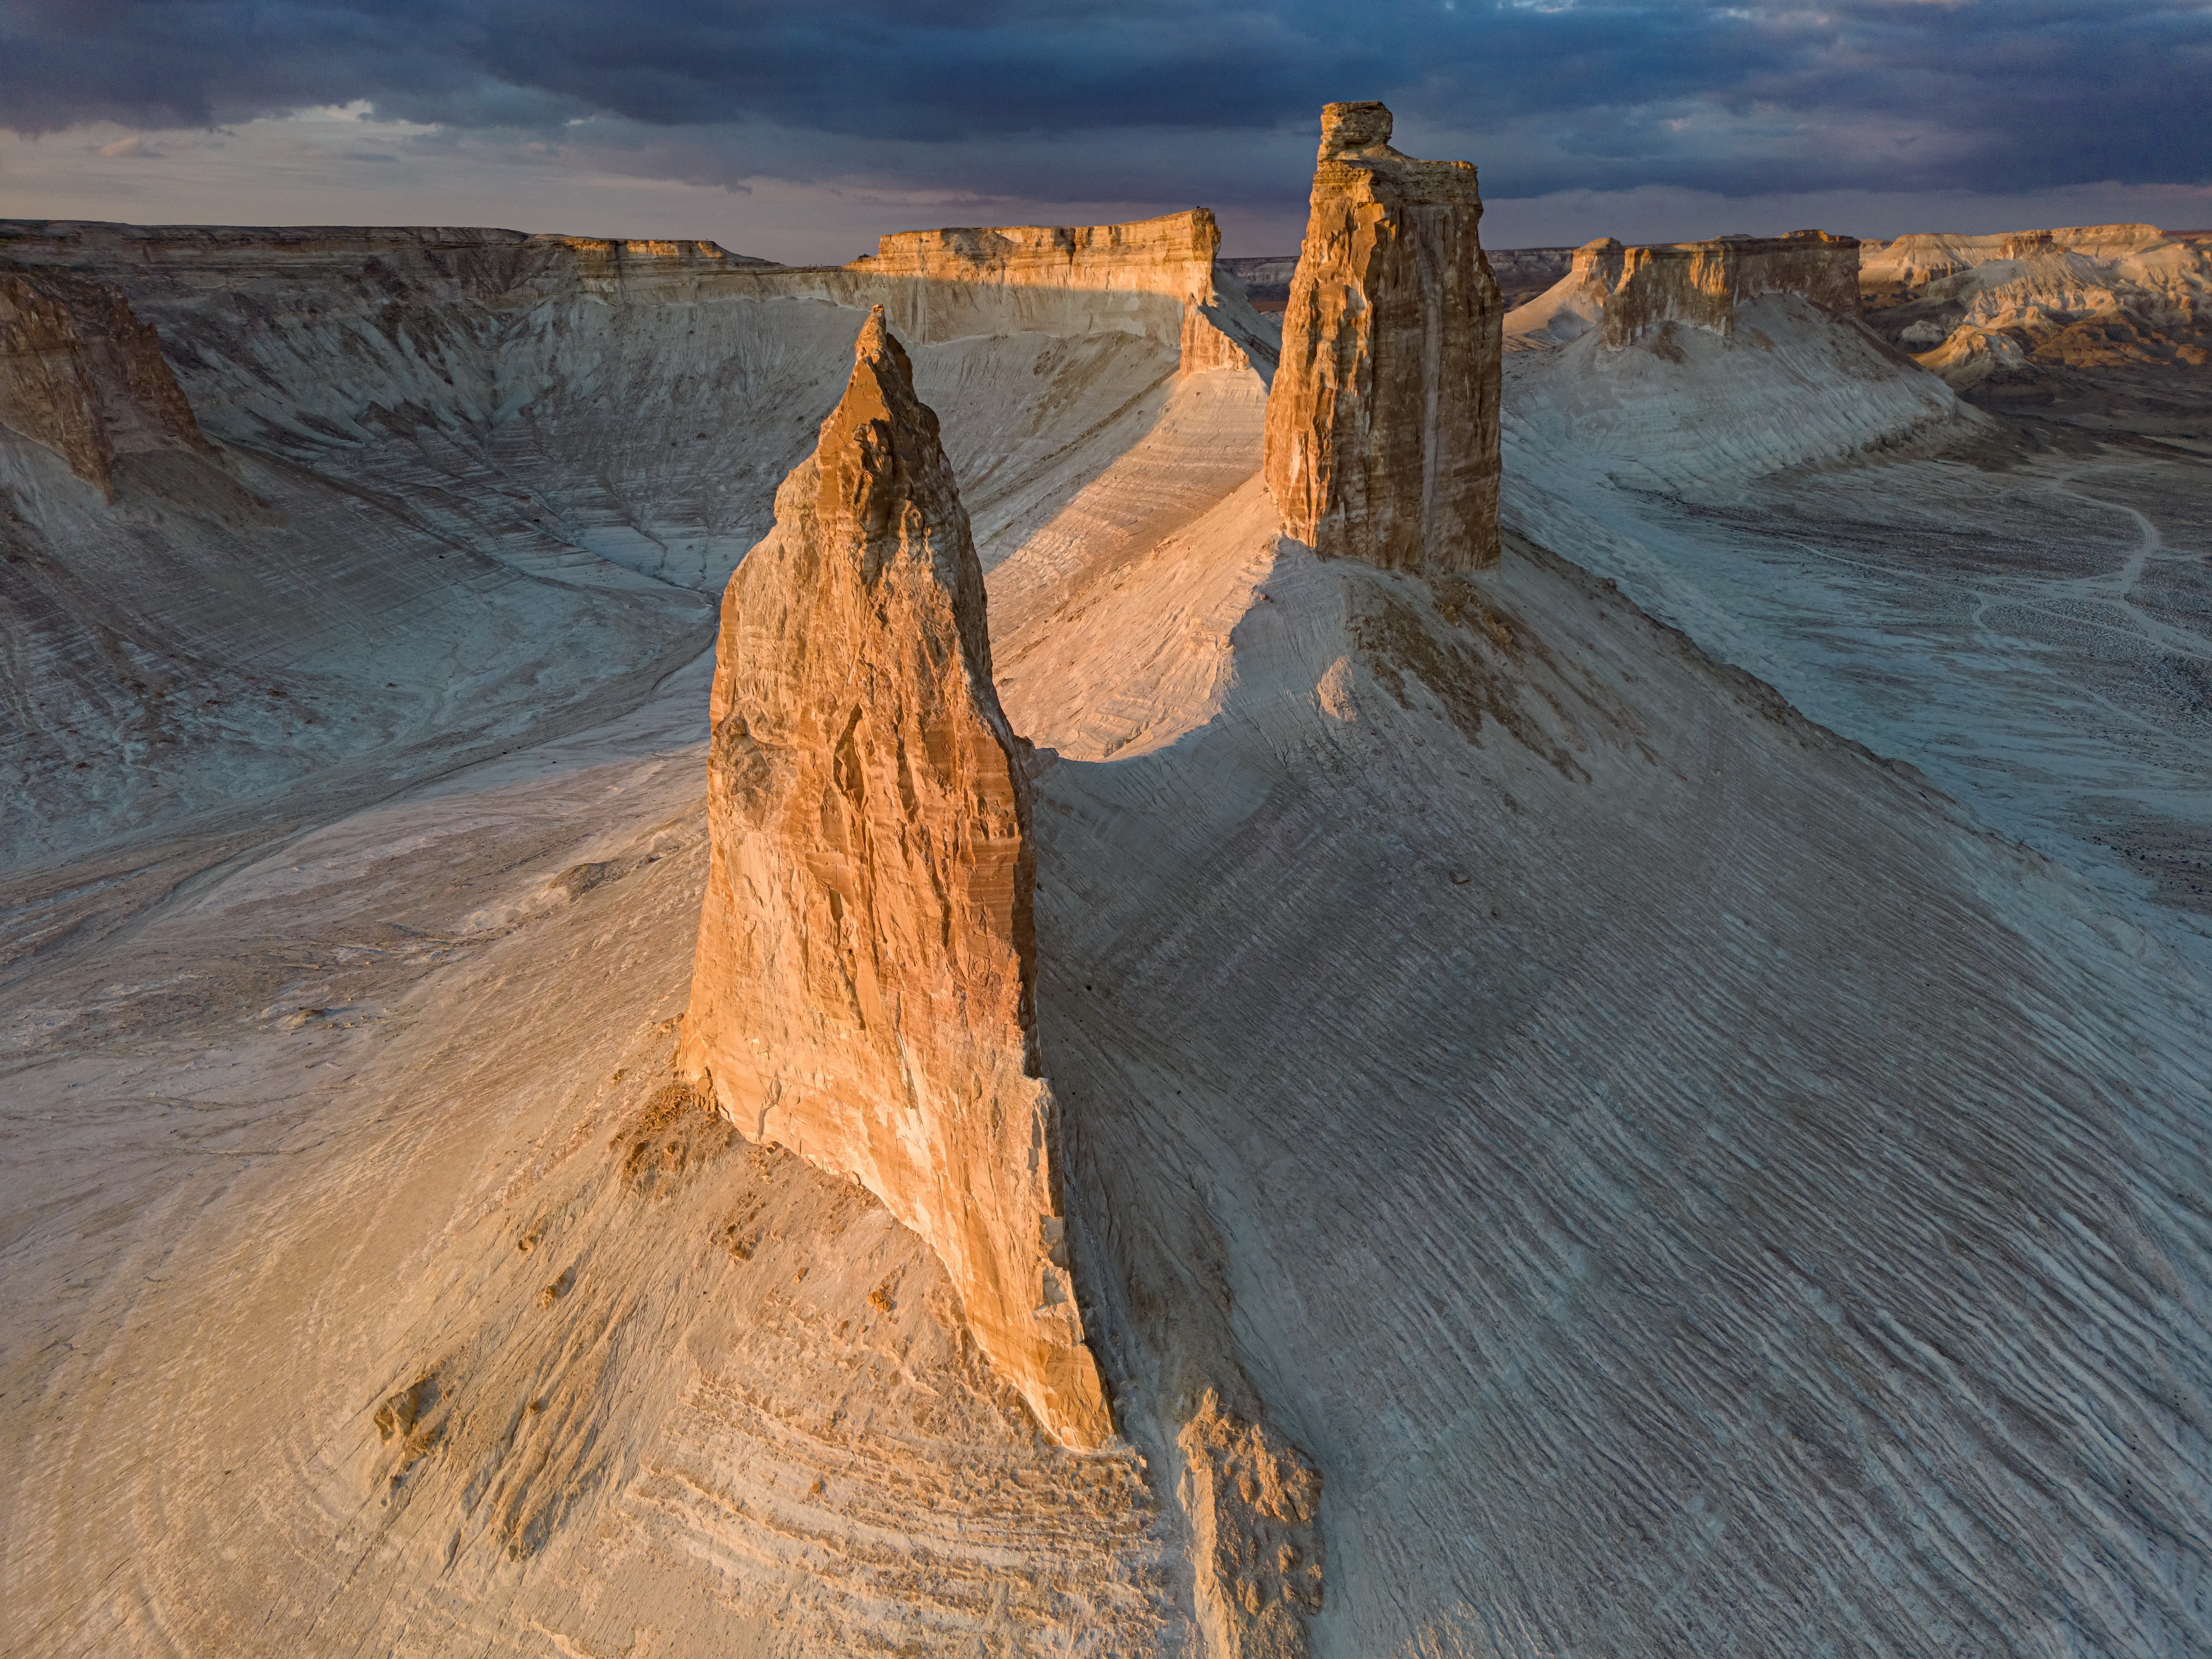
pixel 864 992
pixel 1155 276
pixel 2018 311
pixel 1632 294
pixel 1556 1128
pixel 1382 441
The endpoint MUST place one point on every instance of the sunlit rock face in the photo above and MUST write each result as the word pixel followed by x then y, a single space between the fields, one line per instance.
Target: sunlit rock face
pixel 1702 285
pixel 863 992
pixel 2013 313
pixel 1152 277
pixel 1383 419
pixel 81 375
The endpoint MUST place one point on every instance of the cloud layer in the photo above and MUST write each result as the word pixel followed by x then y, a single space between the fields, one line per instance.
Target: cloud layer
pixel 1044 101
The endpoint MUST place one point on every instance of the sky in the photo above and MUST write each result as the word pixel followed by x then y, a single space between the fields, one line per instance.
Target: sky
pixel 801 130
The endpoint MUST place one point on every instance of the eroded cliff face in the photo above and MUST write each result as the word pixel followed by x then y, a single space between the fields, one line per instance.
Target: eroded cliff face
pixel 2026 312
pixel 82 375
pixel 863 988
pixel 1383 420
pixel 1152 277
pixel 1702 285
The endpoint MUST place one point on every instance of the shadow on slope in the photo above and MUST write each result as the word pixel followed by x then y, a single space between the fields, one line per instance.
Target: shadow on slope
pixel 2019 610
pixel 468 486
pixel 1651 1154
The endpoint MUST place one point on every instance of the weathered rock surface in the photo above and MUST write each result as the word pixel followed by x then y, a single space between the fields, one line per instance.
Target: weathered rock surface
pixel 1703 285
pixel 1153 276
pixel 1253 1501
pixel 1670 1250
pixel 864 987
pixel 1383 420
pixel 2027 310
pixel 82 375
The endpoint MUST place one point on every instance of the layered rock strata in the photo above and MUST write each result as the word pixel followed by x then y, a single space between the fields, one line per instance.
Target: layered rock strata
pixel 1152 277
pixel 82 375
pixel 1701 284
pixel 863 986
pixel 2024 308
pixel 1383 435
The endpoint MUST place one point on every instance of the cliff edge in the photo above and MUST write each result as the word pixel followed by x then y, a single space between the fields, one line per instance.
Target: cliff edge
pixel 1631 294
pixel 1158 277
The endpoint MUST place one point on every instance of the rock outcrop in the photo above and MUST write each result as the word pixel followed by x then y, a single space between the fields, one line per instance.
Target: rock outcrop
pixel 1152 277
pixel 1633 294
pixel 2020 310
pixel 863 988
pixel 1701 284
pixel 82 375
pixel 1254 1501
pixel 1382 429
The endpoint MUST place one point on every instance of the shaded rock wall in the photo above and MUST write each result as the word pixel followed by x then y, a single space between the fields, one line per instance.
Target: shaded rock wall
pixel 82 375
pixel 864 986
pixel 1383 420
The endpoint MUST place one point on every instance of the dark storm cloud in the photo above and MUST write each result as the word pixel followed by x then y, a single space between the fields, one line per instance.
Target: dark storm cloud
pixel 1900 94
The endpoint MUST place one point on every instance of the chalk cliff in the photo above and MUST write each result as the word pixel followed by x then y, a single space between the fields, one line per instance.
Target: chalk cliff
pixel 1702 284
pixel 1633 294
pixel 863 988
pixel 1383 420
pixel 1152 277
pixel 82 375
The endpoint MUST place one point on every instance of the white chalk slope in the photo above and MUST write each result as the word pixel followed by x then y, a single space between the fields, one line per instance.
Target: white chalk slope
pixel 1687 1185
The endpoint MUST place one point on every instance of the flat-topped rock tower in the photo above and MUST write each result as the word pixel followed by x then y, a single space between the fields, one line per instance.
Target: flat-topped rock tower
pixel 864 983
pixel 1383 435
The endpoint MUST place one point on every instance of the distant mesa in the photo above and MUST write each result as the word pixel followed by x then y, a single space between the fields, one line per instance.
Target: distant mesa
pixel 2026 312
pixel 1156 277
pixel 1701 283
pixel 863 992
pixel 1631 294
pixel 1383 433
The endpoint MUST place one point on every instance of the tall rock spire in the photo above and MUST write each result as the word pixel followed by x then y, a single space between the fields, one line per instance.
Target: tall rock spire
pixel 1382 421
pixel 862 992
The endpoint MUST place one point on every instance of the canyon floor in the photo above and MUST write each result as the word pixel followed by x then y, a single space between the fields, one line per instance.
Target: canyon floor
pixel 1680 1069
